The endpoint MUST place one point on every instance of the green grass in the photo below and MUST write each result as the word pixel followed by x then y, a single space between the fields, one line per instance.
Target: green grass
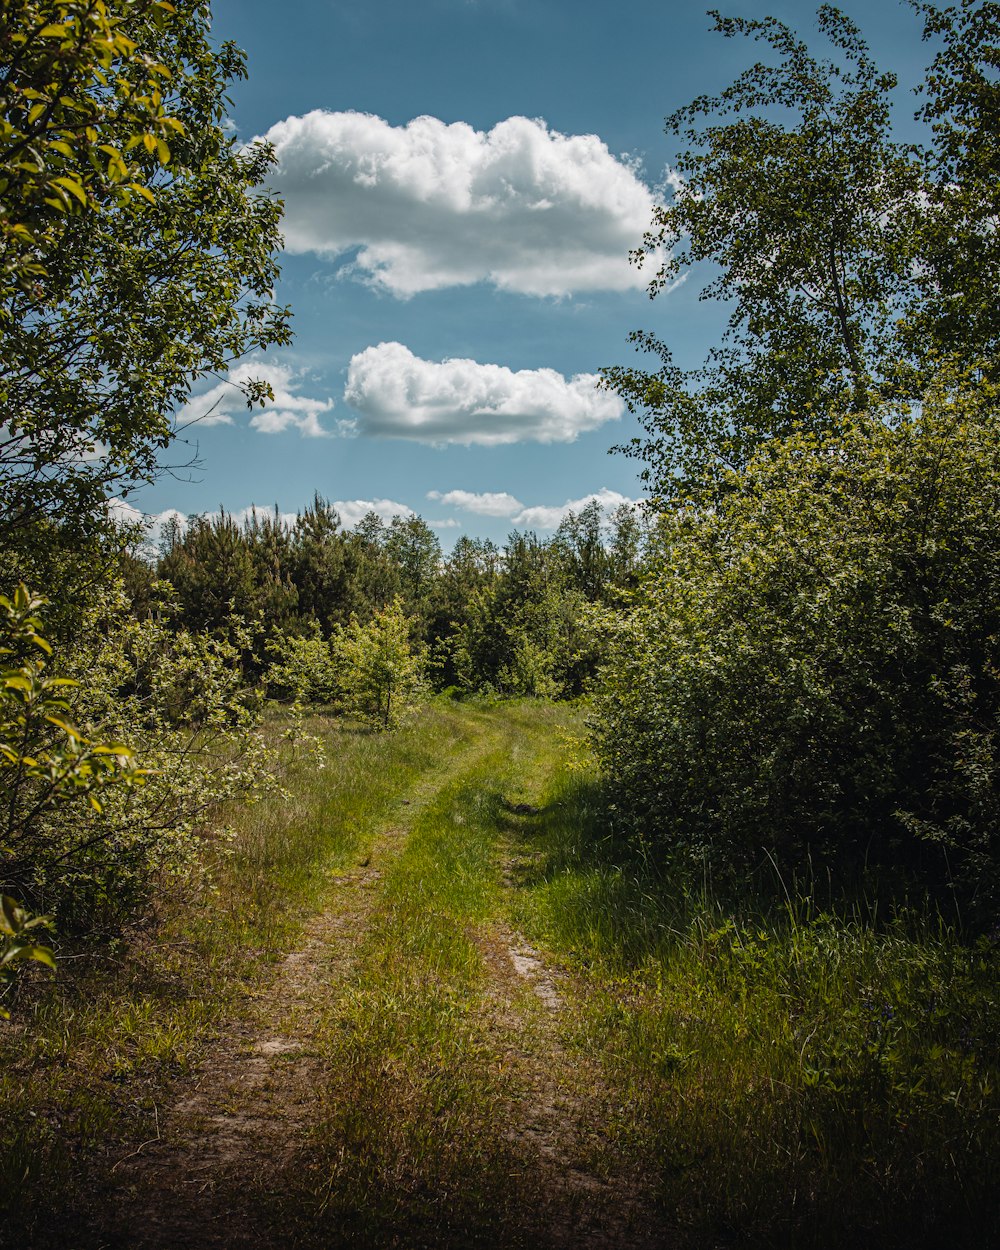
pixel 783 1075
pixel 416 1147
pixel 765 1075
pixel 88 1059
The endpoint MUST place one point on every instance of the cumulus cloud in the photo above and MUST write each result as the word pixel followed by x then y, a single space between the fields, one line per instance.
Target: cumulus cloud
pixel 431 204
pixel 486 504
pixel 152 523
pixel 547 517
pixel 352 510
pixel 400 395
pixel 288 410
pixel 538 516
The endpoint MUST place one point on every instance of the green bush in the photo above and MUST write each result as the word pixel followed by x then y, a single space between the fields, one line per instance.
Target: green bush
pixel 302 669
pixel 812 670
pixel 46 764
pixel 180 700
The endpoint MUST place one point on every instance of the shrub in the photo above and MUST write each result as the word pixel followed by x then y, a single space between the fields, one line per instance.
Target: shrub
pixel 381 673
pixel 812 669
pixel 302 669
pixel 179 698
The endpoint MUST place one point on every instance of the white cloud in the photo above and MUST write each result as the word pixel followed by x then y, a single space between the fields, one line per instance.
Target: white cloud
pixel 461 401
pixel 288 409
pixel 432 205
pixel 538 516
pixel 487 504
pixel 545 517
pixel 153 524
pixel 352 510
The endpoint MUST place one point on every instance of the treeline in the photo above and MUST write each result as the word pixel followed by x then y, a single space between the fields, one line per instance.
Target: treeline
pixel 510 620
pixel 119 748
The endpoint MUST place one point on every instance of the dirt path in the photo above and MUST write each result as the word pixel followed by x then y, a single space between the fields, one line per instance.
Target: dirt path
pixel 244 1116
pixel 243 1150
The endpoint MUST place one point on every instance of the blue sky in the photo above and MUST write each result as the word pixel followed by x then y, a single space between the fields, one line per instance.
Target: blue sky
pixel 463 181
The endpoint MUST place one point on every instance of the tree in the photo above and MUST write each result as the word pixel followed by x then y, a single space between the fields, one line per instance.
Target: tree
pixel 44 759
pixel 381 673
pixel 72 119
pixel 848 260
pixel 45 764
pixel 412 546
pixel 376 575
pixel 270 546
pixel 321 565
pixel 211 569
pixel 471 568
pixel 153 268
pixel 626 546
pixel 579 541
pixel 960 234
pixel 522 632
pixel 810 667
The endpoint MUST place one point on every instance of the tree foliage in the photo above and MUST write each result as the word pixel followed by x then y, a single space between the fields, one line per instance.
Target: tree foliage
pixel 96 863
pixel 959 250
pixel 46 763
pixel 80 97
pixel 45 758
pixel 380 672
pixel 812 669
pixel 157 270
pixel 809 672
pixel 848 260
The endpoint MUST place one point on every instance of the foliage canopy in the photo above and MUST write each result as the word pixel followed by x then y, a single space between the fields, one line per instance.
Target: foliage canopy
pixel 138 249
pixel 812 670
pixel 848 260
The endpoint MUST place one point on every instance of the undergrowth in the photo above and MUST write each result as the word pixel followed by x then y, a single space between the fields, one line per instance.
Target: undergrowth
pixel 768 1072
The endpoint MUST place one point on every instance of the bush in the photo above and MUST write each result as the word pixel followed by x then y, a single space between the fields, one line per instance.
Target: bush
pixel 812 670
pixel 302 669
pixel 179 698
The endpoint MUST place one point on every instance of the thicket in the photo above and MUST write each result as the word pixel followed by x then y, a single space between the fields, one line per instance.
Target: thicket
pixel 137 254
pixel 811 672
pixel 808 677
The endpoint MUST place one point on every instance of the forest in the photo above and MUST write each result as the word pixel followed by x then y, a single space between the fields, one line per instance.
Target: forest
pixel 634 886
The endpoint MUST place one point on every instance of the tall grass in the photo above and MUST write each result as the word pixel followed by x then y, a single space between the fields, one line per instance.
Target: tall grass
pixel 88 1058
pixel 416 1146
pixel 785 1074
pixel 772 1072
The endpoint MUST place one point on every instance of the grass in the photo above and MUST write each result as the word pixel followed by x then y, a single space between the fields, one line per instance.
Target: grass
pixel 762 1075
pixel 785 1076
pixel 87 1059
pixel 416 1146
